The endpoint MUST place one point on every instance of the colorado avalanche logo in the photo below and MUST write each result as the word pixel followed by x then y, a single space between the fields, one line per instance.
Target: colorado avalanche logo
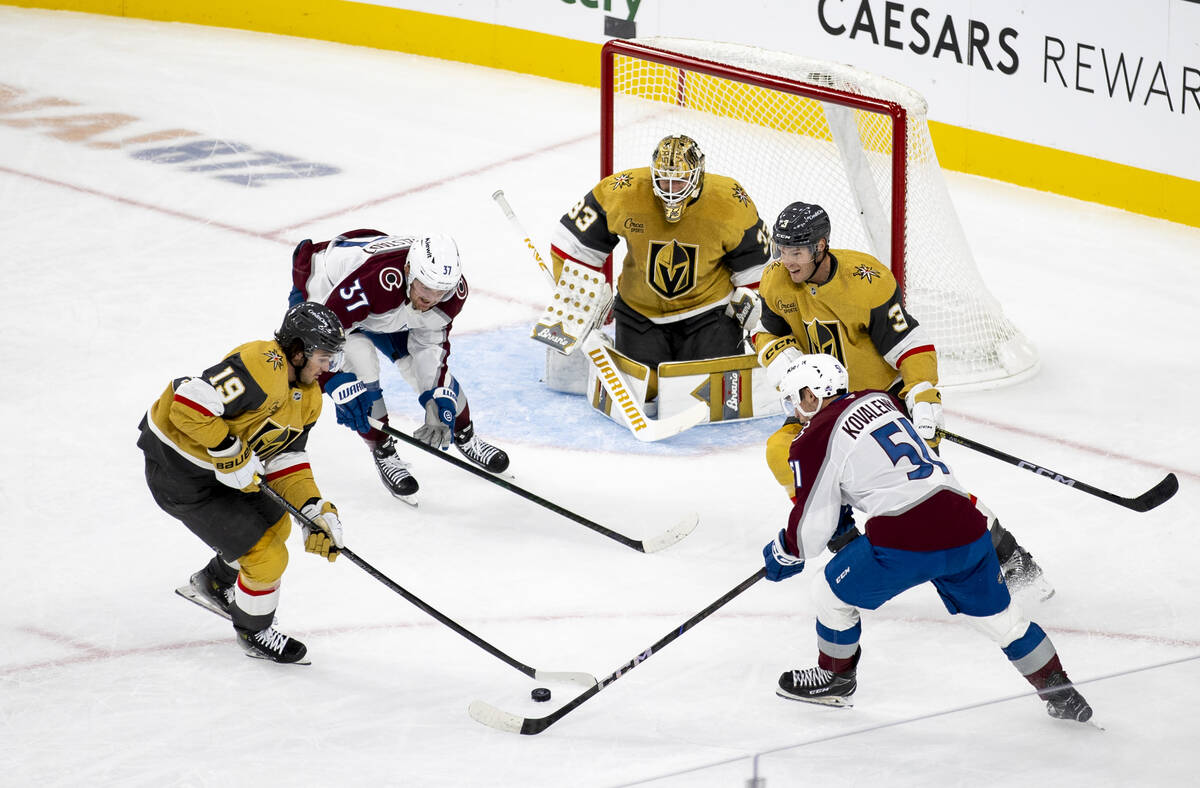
pixel 740 195
pixel 621 181
pixel 865 271
pixel 274 359
pixel 391 278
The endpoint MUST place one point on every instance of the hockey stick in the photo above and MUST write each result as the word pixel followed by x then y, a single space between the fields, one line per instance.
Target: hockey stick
pixel 669 537
pixel 643 427
pixel 1155 496
pixel 502 720
pixel 583 679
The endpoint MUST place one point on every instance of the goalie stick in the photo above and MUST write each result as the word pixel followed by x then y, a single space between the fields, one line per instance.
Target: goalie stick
pixel 643 427
pixel 669 537
pixel 1155 496
pixel 493 717
pixel 583 679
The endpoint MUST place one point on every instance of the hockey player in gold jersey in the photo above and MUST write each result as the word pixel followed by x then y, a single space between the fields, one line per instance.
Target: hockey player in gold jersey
pixel 847 304
pixel 696 248
pixel 212 441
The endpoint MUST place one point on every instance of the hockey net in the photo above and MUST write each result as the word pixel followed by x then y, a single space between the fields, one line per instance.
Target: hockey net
pixel 791 128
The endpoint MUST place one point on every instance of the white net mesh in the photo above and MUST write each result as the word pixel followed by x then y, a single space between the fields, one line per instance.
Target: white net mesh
pixel 783 146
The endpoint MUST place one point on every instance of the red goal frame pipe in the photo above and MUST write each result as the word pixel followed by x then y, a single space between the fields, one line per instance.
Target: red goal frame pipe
pixel 898 114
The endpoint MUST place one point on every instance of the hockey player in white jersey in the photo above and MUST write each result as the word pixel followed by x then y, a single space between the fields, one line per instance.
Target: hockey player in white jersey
pixel 859 448
pixel 397 295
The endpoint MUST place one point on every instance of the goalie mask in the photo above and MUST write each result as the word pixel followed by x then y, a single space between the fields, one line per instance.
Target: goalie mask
pixel 676 174
pixel 434 262
pixel 822 374
pixel 309 326
pixel 800 224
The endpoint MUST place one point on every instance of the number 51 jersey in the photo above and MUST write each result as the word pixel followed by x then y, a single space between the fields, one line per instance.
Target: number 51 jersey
pixel 862 450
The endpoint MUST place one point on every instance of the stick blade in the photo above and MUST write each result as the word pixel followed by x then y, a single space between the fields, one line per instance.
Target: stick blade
pixel 1156 495
pixel 489 715
pixel 675 533
pixel 582 679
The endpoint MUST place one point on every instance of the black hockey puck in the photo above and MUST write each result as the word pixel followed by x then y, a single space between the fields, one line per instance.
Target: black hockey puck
pixel 541 694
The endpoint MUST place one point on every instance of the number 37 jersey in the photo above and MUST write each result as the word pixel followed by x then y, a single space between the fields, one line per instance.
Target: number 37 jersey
pixel 861 450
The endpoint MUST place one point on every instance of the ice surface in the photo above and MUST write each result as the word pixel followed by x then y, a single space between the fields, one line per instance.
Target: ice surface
pixel 123 272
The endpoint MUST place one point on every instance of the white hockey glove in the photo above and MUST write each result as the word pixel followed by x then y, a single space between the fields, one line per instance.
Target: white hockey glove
pixel 777 356
pixel 237 466
pixel 326 538
pixel 925 408
pixel 439 419
pixel 744 307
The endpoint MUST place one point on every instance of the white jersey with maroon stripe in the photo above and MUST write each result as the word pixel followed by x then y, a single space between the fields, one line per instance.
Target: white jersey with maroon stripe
pixel 360 275
pixel 860 450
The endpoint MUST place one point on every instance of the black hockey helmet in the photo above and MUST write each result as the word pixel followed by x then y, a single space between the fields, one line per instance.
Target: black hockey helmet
pixel 800 224
pixel 310 326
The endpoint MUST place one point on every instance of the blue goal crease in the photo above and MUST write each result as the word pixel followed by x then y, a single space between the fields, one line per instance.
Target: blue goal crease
pixel 501 372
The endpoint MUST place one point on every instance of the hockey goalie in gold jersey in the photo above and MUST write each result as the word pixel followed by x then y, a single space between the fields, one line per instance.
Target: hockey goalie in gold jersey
pixel 847 304
pixel 696 248
pixel 212 441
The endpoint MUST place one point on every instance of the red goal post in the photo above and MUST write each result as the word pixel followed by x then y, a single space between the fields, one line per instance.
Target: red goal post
pixel 793 128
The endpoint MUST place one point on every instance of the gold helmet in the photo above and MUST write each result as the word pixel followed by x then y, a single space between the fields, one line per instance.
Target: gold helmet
pixel 676 173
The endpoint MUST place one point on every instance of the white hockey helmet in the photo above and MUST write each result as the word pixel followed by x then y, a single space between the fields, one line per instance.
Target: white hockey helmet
pixel 822 374
pixel 434 262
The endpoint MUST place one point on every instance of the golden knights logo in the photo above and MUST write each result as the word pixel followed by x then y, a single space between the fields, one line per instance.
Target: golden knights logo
pixel 621 181
pixel 671 269
pixel 740 195
pixel 275 359
pixel 866 272
pixel 271 438
pixel 825 336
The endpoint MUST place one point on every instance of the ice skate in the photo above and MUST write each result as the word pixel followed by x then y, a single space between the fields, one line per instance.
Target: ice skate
pixel 205 590
pixel 817 685
pixel 272 644
pixel 1064 703
pixel 394 472
pixel 1021 573
pixel 480 452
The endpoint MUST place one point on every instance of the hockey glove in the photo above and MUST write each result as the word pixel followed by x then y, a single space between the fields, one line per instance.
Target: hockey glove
pixel 353 400
pixel 925 408
pixel 780 563
pixel 845 533
pixel 326 537
pixel 776 356
pixel 745 307
pixel 440 411
pixel 236 465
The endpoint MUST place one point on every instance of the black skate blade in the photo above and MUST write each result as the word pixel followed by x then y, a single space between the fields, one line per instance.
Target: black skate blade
pixel 302 661
pixel 190 594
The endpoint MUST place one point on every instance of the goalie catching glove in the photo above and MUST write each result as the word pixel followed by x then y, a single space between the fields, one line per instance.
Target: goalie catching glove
pixel 236 465
pixel 324 536
pixel 744 307
pixel 925 410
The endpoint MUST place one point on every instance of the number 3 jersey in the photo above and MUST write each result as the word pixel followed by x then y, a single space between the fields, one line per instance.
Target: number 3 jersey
pixel 857 317
pixel 861 450
pixel 247 395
